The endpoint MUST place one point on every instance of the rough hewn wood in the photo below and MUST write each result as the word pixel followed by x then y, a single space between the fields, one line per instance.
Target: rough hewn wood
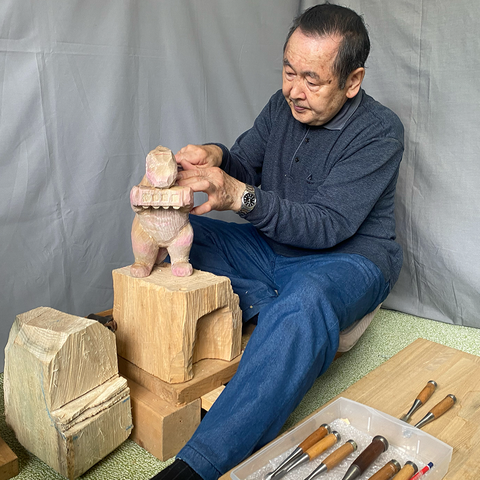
pixel 165 323
pixel 64 398
pixel 8 462
pixel 208 374
pixel 159 427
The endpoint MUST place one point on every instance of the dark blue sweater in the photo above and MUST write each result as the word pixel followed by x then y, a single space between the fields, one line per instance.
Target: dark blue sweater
pixel 324 189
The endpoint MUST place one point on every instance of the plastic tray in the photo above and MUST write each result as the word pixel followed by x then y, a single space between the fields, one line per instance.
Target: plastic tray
pixel 411 442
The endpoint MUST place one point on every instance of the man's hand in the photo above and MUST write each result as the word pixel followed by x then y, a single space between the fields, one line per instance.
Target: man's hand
pixel 203 156
pixel 224 192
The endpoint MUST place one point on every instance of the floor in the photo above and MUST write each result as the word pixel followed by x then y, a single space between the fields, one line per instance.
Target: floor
pixel 388 333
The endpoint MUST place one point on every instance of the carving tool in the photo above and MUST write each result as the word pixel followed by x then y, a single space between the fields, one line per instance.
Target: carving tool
pixel 438 410
pixel 423 471
pixel 367 457
pixel 334 459
pixel 422 397
pixel 312 453
pixel 408 470
pixel 310 441
pixel 387 471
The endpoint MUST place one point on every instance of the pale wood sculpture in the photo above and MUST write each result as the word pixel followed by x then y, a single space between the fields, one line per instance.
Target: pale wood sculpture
pixel 166 323
pixel 161 224
pixel 64 398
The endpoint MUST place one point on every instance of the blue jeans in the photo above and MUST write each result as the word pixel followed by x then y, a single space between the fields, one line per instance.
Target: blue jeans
pixel 303 303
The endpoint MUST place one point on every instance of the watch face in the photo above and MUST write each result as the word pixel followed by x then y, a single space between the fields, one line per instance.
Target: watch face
pixel 249 200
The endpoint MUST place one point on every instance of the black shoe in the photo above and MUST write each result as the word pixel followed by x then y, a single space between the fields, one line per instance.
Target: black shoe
pixel 178 470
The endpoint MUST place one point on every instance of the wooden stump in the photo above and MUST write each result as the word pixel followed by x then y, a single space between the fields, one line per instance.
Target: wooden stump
pixel 166 323
pixel 64 398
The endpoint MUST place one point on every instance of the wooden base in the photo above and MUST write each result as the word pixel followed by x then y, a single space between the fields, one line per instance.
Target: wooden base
pixel 8 462
pixel 159 427
pixel 166 323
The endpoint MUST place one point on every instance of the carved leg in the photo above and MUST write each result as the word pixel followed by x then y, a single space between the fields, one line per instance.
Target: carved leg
pixel 162 255
pixel 179 251
pixel 145 250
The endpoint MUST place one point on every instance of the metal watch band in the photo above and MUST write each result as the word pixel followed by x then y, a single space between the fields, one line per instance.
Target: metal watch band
pixel 249 200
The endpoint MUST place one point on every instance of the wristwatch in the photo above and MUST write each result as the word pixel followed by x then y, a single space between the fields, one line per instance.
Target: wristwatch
pixel 249 200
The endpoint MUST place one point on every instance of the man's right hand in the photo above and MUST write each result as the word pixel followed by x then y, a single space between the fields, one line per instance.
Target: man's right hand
pixel 202 156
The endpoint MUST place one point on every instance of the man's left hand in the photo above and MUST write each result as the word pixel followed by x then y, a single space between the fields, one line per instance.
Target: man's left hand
pixel 224 192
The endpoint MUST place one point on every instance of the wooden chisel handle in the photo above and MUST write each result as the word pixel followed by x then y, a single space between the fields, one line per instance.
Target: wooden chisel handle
pixel 322 445
pixel 340 454
pixel 427 392
pixel 316 436
pixel 446 404
pixel 407 472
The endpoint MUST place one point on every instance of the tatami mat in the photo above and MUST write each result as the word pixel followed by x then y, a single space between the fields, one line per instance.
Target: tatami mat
pixel 388 333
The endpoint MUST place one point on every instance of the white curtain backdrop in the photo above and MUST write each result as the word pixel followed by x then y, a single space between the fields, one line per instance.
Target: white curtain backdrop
pixel 88 88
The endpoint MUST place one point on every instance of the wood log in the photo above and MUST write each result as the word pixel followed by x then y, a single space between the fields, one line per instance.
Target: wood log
pixel 165 323
pixel 64 398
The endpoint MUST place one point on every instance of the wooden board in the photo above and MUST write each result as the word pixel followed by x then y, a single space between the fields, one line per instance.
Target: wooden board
pixel 8 462
pixel 208 374
pixel 159 427
pixel 393 386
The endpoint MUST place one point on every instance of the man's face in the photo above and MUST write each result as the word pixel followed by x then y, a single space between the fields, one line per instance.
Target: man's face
pixel 309 85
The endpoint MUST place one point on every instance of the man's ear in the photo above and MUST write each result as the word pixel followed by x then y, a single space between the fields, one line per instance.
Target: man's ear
pixel 354 82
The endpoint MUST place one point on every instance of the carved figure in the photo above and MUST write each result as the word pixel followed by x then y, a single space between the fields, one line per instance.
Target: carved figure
pixel 161 225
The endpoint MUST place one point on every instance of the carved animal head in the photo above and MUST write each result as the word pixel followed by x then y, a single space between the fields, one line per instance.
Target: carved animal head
pixel 161 167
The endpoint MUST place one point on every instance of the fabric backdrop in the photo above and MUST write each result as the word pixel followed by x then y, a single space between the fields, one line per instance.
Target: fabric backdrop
pixel 88 88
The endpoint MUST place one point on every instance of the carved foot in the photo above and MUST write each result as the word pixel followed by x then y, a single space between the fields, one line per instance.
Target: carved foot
pixel 182 269
pixel 140 270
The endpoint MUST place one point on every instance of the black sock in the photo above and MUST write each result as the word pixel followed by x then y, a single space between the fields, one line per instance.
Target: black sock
pixel 178 470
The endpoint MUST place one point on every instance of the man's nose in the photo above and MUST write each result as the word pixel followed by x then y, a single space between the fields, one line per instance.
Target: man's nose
pixel 297 90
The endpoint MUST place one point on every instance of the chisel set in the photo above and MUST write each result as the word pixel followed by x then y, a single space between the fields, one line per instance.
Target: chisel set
pixel 324 439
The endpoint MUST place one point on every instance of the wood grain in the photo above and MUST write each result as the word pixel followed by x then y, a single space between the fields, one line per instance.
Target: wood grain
pixel 166 323
pixel 64 398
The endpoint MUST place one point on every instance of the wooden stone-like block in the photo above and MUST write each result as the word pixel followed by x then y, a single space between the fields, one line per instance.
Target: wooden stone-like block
pixel 64 398
pixel 8 462
pixel 159 427
pixel 165 323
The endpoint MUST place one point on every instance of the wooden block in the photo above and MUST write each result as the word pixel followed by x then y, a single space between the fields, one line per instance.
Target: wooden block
pixel 207 375
pixel 160 428
pixel 64 398
pixel 8 462
pixel 210 398
pixel 166 322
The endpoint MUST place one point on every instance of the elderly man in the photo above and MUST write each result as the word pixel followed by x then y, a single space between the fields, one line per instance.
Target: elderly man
pixel 318 251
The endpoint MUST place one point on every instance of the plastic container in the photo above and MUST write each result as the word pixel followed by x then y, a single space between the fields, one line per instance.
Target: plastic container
pixel 406 443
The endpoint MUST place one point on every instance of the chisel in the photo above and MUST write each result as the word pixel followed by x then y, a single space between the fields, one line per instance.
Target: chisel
pixel 422 397
pixel 407 472
pixel 334 459
pixel 311 440
pixel 311 454
pixel 387 471
pixel 367 457
pixel 438 410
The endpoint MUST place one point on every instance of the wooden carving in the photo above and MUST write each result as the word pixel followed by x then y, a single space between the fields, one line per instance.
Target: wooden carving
pixel 64 398
pixel 161 224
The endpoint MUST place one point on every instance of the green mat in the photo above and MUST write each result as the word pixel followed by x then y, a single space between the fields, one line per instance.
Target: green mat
pixel 388 333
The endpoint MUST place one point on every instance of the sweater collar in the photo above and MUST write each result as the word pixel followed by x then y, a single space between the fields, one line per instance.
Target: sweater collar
pixel 348 109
